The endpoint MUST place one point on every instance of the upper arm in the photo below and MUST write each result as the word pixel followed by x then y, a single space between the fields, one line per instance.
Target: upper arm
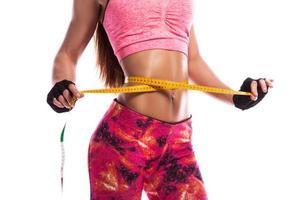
pixel 81 28
pixel 193 50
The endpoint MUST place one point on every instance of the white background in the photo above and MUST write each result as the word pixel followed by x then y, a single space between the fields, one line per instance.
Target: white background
pixel 243 155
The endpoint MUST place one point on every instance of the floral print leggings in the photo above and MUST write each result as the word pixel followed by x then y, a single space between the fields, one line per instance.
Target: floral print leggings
pixel 130 152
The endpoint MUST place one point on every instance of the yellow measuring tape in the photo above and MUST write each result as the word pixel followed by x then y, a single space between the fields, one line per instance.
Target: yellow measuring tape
pixel 152 84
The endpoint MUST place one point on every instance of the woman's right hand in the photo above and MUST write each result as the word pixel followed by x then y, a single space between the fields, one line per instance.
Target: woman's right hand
pixel 61 96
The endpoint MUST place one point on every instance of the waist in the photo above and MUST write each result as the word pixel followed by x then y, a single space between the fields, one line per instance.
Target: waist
pixel 165 105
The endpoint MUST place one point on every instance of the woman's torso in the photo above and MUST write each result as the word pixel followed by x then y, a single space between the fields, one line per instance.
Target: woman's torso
pixel 166 105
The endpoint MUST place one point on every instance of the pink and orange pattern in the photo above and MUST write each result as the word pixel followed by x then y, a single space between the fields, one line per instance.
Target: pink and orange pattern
pixel 129 152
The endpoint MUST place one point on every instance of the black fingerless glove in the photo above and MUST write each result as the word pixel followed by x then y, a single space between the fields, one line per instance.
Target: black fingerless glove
pixel 57 90
pixel 244 102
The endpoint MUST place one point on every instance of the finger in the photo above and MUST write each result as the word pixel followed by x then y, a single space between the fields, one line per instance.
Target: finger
pixel 75 91
pixel 269 82
pixel 67 96
pixel 263 85
pixel 57 103
pixel 62 100
pixel 253 90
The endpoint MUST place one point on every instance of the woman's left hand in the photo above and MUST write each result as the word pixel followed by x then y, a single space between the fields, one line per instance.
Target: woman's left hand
pixel 258 89
pixel 264 84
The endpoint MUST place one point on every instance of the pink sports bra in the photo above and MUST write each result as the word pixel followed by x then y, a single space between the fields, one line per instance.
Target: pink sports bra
pixel 137 25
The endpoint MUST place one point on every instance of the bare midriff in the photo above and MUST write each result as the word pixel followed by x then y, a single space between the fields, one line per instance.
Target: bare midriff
pixel 166 105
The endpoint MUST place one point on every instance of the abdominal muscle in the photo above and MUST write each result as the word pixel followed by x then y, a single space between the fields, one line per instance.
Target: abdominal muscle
pixel 166 105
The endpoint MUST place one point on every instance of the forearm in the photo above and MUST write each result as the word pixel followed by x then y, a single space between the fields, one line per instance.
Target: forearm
pixel 201 74
pixel 63 68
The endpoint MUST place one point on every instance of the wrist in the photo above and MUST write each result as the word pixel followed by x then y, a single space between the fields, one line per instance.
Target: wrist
pixel 229 99
pixel 63 68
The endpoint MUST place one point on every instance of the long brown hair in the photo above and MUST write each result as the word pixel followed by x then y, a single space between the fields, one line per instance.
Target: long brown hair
pixel 106 61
